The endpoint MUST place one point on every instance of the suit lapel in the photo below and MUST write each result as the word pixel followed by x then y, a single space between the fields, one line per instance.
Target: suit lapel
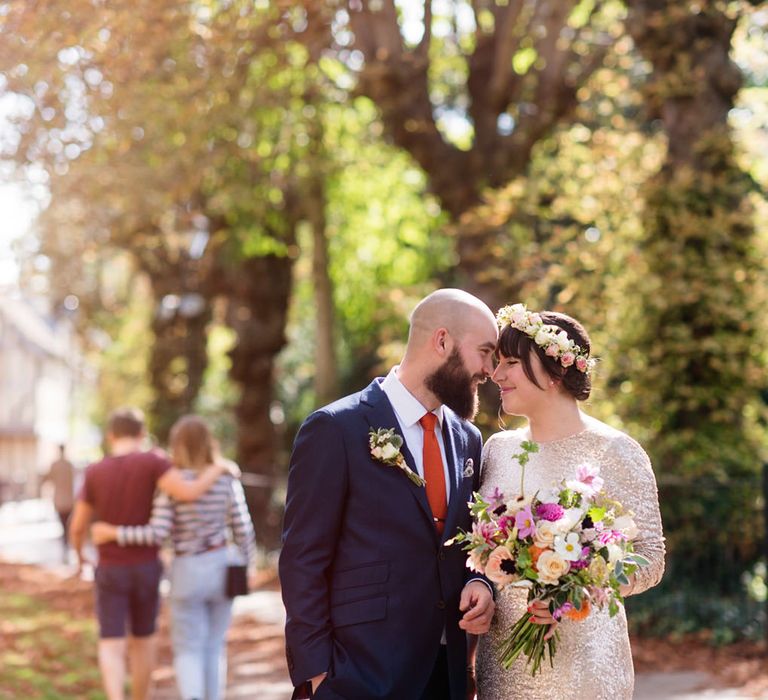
pixel 454 452
pixel 380 414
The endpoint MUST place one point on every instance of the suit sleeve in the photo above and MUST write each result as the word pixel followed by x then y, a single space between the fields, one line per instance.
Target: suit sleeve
pixel 477 455
pixel 317 491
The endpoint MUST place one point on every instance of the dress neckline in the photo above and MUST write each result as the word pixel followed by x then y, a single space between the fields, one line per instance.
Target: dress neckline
pixel 544 443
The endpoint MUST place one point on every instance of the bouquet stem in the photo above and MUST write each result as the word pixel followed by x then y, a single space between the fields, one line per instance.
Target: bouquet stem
pixel 527 638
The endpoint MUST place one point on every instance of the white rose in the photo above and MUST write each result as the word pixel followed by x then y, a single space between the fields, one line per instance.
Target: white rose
pixel 377 452
pixel 546 532
pixel 563 341
pixel 389 451
pixel 551 566
pixel 542 338
pixel 626 525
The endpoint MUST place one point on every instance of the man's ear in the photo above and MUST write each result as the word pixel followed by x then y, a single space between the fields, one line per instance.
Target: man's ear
pixel 442 342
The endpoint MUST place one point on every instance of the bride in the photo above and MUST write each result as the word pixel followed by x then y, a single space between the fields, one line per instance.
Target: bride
pixel 544 381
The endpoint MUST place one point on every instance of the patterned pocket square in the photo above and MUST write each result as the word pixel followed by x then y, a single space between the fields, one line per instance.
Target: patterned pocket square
pixel 469 468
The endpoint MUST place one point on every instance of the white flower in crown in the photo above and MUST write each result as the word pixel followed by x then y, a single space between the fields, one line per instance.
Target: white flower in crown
pixel 552 339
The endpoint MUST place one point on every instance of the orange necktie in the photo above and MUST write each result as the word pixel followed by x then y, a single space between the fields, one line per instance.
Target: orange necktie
pixel 433 472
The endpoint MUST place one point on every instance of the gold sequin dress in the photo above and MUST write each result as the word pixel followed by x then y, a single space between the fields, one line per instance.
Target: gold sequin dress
pixel 593 658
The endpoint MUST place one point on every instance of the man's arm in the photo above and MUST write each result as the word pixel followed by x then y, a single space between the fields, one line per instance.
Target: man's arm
pixel 78 528
pixel 477 596
pixel 317 493
pixel 176 486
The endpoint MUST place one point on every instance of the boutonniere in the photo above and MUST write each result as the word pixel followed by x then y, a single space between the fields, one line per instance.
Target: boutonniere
pixel 385 448
pixel 469 468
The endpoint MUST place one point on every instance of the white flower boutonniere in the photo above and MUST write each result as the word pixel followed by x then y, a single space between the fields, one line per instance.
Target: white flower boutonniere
pixel 385 448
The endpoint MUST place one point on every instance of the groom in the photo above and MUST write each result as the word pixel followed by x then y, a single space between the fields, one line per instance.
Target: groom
pixel 377 607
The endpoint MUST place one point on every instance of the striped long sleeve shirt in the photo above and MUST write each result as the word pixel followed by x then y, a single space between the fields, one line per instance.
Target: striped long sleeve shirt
pixel 197 526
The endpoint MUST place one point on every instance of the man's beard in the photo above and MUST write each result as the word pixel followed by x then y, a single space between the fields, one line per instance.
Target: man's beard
pixel 452 384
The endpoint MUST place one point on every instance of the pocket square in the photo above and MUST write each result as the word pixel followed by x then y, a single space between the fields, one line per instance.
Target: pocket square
pixel 469 468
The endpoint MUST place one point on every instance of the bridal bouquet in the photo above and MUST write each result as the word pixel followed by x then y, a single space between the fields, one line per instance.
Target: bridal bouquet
pixel 569 544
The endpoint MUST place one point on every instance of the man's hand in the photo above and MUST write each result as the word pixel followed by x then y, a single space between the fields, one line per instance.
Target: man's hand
pixel 316 681
pixel 102 532
pixel 477 605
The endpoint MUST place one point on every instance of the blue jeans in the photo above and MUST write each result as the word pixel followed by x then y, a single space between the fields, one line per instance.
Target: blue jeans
pixel 200 616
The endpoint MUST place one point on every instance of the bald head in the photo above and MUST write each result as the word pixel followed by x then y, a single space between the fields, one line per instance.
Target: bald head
pixel 453 309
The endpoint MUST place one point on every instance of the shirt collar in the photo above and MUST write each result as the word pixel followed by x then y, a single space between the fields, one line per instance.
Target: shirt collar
pixel 408 408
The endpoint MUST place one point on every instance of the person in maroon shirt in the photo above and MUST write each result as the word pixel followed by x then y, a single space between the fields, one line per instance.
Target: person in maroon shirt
pixel 120 489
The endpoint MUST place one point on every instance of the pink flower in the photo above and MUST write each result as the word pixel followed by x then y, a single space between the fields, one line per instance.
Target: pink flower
pixel 582 563
pixel 552 350
pixel 526 527
pixel 496 499
pixel 550 511
pixel 564 608
pixel 611 536
pixel 589 476
pixel 581 363
pixel 505 524
pixel 567 359
pixel 484 531
pixel 501 567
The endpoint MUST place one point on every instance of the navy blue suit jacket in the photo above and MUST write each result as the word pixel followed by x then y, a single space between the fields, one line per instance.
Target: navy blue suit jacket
pixel 368 586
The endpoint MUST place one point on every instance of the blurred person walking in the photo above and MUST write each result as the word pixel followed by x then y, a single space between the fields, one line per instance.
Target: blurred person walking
pixel 61 475
pixel 121 488
pixel 200 532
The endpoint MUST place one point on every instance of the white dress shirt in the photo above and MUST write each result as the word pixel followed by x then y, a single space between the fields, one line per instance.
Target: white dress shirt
pixel 408 411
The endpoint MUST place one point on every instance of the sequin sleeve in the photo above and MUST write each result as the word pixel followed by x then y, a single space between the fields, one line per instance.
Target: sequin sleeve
pixel 629 479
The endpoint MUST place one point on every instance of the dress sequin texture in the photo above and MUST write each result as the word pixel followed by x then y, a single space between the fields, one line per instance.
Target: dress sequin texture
pixel 593 658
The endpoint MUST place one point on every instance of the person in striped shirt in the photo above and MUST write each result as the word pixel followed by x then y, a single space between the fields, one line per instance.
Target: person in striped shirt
pixel 200 532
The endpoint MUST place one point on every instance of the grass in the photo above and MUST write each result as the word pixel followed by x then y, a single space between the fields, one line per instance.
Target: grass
pixel 45 652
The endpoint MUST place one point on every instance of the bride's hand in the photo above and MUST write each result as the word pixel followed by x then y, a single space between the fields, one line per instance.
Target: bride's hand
pixel 540 615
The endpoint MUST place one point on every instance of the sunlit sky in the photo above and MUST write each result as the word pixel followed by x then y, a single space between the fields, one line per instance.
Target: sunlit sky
pixel 17 212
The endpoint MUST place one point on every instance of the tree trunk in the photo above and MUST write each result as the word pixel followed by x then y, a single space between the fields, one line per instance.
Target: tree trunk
pixel 257 311
pixel 179 352
pixel 692 358
pixel 326 378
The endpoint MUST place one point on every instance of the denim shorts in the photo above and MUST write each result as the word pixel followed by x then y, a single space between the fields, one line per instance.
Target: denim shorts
pixel 128 598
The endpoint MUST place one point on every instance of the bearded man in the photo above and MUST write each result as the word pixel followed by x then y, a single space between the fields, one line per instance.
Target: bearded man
pixel 377 606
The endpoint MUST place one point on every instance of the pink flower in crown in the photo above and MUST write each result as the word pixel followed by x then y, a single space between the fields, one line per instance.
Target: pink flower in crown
pixel 581 363
pixel 518 316
pixel 552 350
pixel 526 527
pixel 550 511
pixel 567 359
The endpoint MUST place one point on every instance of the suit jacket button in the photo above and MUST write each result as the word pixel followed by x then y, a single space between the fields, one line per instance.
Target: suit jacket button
pixel 441 604
pixel 441 555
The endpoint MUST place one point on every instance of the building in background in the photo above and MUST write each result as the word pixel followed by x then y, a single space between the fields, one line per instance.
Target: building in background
pixel 43 379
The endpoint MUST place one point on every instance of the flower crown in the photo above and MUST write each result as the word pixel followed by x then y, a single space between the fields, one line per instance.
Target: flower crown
pixel 553 339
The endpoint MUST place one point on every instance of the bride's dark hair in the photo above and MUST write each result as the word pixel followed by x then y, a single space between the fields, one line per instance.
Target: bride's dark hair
pixel 515 343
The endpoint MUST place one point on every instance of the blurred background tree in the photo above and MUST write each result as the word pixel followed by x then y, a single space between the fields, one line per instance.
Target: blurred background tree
pixel 247 198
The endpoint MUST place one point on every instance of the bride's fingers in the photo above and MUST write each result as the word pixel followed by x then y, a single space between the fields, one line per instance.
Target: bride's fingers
pixel 551 631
